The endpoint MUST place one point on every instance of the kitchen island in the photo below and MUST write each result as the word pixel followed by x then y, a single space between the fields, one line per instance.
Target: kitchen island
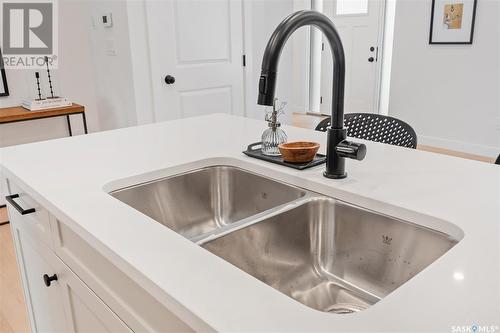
pixel 69 180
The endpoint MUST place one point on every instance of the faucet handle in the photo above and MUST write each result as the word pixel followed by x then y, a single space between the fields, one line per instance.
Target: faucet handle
pixel 348 149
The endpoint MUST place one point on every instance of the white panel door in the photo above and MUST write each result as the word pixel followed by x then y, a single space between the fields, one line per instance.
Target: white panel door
pixel 359 23
pixel 199 44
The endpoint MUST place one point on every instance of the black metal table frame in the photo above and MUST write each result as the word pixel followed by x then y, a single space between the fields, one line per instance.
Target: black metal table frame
pixel 84 119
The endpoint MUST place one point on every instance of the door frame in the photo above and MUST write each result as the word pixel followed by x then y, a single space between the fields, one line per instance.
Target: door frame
pixel 380 55
pixel 380 60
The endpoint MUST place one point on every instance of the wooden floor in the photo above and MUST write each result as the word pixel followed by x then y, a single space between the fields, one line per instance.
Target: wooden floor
pixel 13 316
pixel 3 215
pixel 12 309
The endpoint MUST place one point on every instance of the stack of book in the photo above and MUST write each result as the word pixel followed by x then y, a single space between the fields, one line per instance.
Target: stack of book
pixel 48 103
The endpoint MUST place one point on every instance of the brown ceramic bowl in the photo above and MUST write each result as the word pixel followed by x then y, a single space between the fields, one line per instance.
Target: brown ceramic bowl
pixel 299 151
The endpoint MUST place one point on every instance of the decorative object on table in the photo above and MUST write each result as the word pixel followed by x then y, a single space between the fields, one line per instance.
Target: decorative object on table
pixel 452 21
pixel 4 88
pixel 299 151
pixel 255 150
pixel 274 135
pixel 47 103
pixel 50 80
pixel 37 76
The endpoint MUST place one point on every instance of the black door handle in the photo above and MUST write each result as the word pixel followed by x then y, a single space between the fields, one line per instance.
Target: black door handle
pixel 169 79
pixel 371 59
pixel 21 210
pixel 48 279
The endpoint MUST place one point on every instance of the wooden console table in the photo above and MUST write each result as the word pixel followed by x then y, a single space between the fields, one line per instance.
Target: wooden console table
pixel 18 113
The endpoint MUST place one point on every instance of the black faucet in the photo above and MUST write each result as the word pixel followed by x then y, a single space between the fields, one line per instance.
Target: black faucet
pixel 338 148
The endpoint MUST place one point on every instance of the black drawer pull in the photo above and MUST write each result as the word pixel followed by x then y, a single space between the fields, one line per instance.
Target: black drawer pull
pixel 48 279
pixel 10 199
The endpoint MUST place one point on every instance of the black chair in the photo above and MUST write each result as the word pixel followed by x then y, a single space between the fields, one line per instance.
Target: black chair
pixel 375 127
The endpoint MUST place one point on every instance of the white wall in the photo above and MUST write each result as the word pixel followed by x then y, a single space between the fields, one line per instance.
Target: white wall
pixel 261 19
pixel 88 74
pixel 448 93
pixel 112 64
pixel 72 79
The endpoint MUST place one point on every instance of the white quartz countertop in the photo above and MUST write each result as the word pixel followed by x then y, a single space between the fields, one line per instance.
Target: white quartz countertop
pixel 70 177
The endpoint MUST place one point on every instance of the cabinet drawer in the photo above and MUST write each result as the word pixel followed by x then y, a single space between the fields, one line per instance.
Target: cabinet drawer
pixel 134 305
pixel 28 214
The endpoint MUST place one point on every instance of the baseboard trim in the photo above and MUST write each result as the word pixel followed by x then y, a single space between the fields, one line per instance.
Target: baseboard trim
pixel 459 146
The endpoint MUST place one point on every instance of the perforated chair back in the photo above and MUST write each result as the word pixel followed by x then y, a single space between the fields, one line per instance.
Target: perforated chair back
pixel 375 127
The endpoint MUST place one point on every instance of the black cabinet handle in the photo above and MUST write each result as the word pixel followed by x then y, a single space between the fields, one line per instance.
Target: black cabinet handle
pixel 21 210
pixel 48 279
pixel 371 59
pixel 169 79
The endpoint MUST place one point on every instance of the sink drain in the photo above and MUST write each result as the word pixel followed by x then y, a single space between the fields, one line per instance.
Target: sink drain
pixel 345 308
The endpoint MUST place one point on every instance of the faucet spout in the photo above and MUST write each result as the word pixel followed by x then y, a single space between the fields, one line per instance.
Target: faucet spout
pixel 335 164
pixel 267 82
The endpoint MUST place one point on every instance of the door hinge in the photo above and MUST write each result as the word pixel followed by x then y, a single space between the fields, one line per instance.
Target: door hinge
pixel 244 60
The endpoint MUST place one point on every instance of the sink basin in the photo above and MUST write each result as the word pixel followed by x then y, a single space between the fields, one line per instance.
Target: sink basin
pixel 332 256
pixel 200 201
pixel 327 254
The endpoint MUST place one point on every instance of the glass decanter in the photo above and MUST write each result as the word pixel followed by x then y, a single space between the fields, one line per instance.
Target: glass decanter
pixel 274 135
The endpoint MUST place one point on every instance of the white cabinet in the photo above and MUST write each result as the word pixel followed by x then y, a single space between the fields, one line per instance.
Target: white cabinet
pixel 64 304
pixel 45 311
pixel 85 312
pixel 88 292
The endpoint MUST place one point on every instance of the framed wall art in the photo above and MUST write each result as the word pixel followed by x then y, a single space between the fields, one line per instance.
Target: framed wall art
pixel 452 21
pixel 4 88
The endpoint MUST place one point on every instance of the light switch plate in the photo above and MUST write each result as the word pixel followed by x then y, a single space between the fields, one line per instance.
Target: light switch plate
pixel 107 20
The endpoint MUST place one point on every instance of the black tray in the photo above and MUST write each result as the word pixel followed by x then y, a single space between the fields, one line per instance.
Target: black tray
pixel 254 150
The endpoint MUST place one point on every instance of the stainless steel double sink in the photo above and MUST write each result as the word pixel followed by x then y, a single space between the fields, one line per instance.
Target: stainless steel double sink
pixel 327 254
